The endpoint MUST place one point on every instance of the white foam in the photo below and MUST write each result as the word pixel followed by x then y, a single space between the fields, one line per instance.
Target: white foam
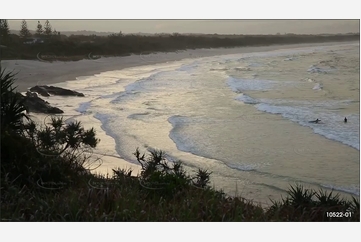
pixel 254 65
pixel 182 142
pixel 355 190
pixel 242 68
pixel 332 126
pixel 318 86
pixel 138 116
pixel 188 67
pixel 83 107
pixel 246 99
pixel 246 56
pixel 240 85
pixel 315 69
pixel 103 118
pixel 289 59
pixel 218 69
pixel 244 167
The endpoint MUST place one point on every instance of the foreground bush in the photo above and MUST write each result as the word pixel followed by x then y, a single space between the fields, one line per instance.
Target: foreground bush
pixel 122 197
pixel 12 106
pixel 302 204
pixel 166 178
pixel 31 154
pixel 125 198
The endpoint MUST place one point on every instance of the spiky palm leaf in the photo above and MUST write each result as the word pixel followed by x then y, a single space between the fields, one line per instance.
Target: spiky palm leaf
pixel 300 196
pixel 12 103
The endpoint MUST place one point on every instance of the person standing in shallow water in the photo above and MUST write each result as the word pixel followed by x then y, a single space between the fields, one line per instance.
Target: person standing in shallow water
pixel 345 120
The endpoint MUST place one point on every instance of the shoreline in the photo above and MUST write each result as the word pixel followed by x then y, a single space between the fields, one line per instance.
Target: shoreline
pixel 35 72
pixel 90 67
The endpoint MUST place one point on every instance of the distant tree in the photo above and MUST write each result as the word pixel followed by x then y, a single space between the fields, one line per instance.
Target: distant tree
pixel 47 28
pixel 39 29
pixel 55 32
pixel 115 36
pixel 4 30
pixel 24 31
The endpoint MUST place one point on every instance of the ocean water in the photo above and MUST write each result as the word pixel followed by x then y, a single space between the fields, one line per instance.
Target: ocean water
pixel 245 117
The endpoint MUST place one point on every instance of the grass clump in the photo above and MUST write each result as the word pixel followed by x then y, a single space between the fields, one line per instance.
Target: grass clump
pixel 167 178
pixel 302 204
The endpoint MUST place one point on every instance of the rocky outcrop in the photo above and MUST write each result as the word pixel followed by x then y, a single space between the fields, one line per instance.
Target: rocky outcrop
pixel 47 90
pixel 38 105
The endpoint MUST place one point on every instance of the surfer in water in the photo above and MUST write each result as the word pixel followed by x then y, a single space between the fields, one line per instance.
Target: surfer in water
pixel 345 120
pixel 315 121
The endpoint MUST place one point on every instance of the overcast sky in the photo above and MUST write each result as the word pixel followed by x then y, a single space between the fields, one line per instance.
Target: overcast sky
pixel 201 26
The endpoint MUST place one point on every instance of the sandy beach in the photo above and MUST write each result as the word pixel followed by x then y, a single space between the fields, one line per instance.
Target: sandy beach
pixel 275 136
pixel 34 72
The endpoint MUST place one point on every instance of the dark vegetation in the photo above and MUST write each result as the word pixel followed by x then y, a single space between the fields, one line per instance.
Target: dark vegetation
pixel 55 46
pixel 45 176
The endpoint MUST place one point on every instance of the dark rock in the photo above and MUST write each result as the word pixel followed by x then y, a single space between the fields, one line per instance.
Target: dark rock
pixel 37 105
pixel 40 90
pixel 31 94
pixel 47 90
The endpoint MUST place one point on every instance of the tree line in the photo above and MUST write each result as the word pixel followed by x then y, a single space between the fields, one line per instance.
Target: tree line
pixel 77 47
pixel 45 30
pixel 4 30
